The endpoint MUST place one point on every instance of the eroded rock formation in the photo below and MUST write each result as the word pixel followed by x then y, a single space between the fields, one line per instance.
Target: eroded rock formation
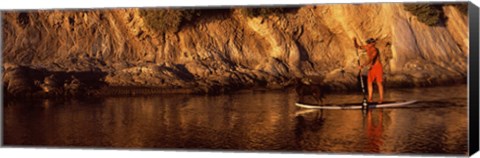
pixel 232 51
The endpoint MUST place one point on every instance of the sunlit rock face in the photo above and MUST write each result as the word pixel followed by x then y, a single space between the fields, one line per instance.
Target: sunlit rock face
pixel 234 50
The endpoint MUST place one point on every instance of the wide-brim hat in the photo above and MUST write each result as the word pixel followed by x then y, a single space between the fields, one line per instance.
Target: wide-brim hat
pixel 370 40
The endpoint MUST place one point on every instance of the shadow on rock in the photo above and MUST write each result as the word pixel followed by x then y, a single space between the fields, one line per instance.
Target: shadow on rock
pixel 23 81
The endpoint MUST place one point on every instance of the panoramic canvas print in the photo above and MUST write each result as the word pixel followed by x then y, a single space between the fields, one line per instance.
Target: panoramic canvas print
pixel 381 78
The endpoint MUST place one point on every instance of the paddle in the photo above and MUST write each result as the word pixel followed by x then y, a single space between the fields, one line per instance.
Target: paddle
pixel 364 102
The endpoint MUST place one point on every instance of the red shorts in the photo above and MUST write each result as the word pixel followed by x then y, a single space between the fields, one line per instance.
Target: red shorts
pixel 376 73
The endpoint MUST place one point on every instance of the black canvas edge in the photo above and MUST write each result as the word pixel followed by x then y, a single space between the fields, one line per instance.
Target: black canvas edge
pixel 473 20
pixel 1 79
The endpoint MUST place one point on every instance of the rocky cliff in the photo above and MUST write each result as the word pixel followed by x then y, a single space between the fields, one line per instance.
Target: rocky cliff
pixel 116 48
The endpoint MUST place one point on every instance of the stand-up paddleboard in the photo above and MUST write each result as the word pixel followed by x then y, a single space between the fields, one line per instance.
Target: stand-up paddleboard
pixel 390 104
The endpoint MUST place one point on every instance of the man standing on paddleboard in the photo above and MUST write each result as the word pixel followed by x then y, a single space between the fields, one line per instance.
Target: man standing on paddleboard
pixel 375 71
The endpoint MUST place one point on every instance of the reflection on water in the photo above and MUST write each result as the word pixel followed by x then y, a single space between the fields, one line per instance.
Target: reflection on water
pixel 244 121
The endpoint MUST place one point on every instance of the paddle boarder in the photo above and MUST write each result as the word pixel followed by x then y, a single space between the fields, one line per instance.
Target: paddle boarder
pixel 375 71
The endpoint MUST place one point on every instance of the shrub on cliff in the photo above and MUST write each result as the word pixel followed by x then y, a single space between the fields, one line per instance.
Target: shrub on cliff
pixel 168 20
pixel 430 14
pixel 462 7
pixel 264 12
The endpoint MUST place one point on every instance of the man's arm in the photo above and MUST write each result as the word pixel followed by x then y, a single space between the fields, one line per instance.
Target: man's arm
pixel 356 44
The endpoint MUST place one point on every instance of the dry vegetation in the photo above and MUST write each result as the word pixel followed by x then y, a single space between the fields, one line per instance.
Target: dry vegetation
pixel 432 14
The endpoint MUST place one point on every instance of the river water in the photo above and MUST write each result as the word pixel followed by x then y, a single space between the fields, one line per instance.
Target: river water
pixel 244 121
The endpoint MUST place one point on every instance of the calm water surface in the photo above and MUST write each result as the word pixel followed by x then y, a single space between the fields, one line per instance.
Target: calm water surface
pixel 266 121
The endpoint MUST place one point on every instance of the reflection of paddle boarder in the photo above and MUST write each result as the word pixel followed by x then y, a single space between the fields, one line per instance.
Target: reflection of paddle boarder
pixel 375 72
pixel 375 131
